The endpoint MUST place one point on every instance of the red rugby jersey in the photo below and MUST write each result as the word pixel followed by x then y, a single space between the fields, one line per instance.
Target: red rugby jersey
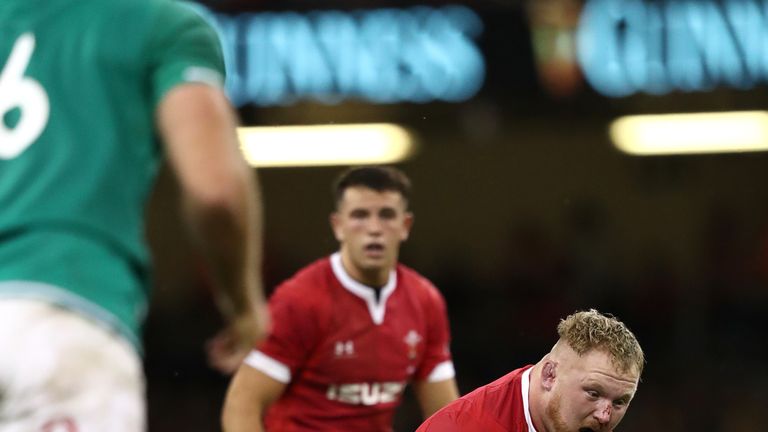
pixel 347 356
pixel 501 406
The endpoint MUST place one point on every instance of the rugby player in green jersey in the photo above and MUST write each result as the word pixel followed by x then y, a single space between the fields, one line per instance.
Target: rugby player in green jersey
pixel 93 93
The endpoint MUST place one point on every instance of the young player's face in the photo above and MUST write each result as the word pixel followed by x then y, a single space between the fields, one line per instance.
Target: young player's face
pixel 590 395
pixel 370 226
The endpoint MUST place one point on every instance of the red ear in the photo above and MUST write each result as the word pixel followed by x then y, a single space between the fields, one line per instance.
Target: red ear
pixel 548 374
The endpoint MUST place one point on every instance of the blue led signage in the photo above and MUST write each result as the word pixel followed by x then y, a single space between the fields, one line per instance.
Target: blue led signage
pixel 629 46
pixel 420 54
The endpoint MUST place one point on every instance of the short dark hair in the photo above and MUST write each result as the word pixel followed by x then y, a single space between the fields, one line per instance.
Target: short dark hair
pixel 377 177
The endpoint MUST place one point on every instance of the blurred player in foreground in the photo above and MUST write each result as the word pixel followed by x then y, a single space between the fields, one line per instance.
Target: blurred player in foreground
pixel 85 87
pixel 585 384
pixel 350 330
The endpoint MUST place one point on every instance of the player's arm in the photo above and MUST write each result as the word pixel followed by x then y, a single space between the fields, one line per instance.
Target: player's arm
pixel 435 383
pixel 434 395
pixel 250 393
pixel 221 205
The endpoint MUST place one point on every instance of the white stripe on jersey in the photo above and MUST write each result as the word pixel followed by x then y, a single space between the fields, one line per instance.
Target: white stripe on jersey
pixel 271 367
pixel 442 372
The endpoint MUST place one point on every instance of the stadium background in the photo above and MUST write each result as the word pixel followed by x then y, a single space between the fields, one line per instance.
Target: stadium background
pixel 525 212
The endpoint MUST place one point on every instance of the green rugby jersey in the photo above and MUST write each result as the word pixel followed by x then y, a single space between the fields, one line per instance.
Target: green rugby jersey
pixel 79 84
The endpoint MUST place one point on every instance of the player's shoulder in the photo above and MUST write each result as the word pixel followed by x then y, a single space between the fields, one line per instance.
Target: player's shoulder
pixel 502 391
pixel 108 12
pixel 509 380
pixel 460 415
pixel 132 9
pixel 307 283
pixel 158 14
pixel 418 284
pixel 142 17
pixel 171 6
pixel 179 14
pixel 499 403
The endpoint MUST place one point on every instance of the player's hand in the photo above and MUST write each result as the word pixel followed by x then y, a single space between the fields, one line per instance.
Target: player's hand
pixel 230 346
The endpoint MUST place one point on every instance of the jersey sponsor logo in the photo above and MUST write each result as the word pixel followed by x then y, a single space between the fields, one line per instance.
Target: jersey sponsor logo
pixel 412 339
pixel 344 349
pixel 658 47
pixel 365 393
pixel 388 55
pixel 24 105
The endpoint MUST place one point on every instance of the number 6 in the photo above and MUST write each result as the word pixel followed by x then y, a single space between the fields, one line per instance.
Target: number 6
pixel 28 95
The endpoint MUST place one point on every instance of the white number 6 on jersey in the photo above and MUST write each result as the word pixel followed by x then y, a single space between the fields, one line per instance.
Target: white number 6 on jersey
pixel 17 91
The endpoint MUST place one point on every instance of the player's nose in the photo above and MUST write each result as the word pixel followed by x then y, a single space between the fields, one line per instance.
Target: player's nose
pixel 603 412
pixel 375 225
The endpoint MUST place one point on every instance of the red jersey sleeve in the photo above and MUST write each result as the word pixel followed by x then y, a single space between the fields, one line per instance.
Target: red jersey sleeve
pixel 460 416
pixel 437 364
pixel 440 423
pixel 294 327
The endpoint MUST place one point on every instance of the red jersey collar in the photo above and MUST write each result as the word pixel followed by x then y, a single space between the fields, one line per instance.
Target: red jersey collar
pixel 376 308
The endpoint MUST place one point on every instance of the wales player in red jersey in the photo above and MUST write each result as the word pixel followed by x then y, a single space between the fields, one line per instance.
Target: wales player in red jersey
pixel 584 384
pixel 350 330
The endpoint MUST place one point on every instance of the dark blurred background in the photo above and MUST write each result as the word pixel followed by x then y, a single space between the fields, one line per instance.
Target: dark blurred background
pixel 525 212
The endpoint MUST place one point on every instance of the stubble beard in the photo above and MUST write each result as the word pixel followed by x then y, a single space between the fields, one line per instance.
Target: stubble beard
pixel 555 416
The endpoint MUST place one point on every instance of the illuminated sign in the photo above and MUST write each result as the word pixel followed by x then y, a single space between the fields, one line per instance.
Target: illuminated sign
pixel 420 54
pixel 656 47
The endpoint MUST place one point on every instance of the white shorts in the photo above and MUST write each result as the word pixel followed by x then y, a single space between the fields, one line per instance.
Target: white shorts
pixel 60 372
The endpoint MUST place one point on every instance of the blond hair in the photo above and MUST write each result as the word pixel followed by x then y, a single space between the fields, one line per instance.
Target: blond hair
pixel 585 331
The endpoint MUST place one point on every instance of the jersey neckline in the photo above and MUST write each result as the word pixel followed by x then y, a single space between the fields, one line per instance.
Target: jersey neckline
pixel 378 308
pixel 524 386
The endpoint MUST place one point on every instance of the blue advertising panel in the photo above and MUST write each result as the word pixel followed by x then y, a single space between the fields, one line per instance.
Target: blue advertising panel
pixel 417 54
pixel 656 47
